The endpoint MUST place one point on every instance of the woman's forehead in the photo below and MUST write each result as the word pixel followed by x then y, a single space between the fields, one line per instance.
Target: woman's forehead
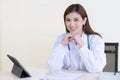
pixel 73 14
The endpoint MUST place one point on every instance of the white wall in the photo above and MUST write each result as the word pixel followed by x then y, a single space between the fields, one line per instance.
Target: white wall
pixel 28 28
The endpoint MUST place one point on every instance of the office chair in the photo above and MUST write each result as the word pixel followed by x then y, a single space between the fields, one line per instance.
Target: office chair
pixel 111 50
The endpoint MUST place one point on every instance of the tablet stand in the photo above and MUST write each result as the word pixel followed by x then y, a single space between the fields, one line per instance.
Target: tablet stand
pixel 18 71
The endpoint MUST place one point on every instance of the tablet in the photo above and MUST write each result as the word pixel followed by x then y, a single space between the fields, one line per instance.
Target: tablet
pixel 18 69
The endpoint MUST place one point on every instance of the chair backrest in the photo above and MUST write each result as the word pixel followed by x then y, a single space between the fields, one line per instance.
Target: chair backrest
pixel 111 50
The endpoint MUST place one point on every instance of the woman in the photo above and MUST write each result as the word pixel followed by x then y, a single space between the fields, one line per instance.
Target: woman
pixel 81 48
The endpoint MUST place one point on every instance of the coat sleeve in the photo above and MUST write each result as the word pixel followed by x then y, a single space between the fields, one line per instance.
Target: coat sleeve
pixel 94 59
pixel 56 60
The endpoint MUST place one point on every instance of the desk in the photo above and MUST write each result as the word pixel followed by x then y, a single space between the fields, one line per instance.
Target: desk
pixel 35 73
pixel 109 76
pixel 39 73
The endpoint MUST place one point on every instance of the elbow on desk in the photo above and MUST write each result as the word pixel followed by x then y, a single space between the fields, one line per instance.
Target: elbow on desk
pixel 53 67
pixel 96 70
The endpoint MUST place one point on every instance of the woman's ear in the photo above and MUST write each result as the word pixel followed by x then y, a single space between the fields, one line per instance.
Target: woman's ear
pixel 84 20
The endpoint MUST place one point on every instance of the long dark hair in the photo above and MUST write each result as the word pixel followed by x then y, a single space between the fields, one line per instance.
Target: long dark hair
pixel 80 10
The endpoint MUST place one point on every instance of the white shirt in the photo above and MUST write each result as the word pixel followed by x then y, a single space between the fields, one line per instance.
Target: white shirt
pixel 91 60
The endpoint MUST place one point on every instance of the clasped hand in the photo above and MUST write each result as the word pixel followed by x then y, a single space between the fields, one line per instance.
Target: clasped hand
pixel 69 37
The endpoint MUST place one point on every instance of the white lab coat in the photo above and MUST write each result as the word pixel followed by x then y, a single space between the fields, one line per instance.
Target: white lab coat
pixel 84 59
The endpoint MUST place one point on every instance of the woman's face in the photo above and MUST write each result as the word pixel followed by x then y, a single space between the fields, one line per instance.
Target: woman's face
pixel 74 23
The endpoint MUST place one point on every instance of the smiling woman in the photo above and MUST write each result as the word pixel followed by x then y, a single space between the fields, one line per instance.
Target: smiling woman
pixel 71 49
pixel 28 26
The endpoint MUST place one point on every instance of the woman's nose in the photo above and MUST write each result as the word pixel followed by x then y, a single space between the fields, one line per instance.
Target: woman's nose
pixel 72 23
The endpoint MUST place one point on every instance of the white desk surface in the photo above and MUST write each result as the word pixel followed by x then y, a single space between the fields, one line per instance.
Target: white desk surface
pixel 37 74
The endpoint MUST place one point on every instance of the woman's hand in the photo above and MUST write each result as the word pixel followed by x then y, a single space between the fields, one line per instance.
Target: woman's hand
pixel 67 39
pixel 78 40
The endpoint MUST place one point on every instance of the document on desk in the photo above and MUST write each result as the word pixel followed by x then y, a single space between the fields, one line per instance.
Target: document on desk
pixel 63 75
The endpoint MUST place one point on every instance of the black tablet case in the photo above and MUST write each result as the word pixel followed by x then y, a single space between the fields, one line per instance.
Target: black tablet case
pixel 18 69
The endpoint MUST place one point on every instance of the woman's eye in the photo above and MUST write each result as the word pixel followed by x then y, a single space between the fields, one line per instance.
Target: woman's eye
pixel 76 19
pixel 67 19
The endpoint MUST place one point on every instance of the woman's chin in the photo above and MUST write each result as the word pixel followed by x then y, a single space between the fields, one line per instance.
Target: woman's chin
pixel 74 33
